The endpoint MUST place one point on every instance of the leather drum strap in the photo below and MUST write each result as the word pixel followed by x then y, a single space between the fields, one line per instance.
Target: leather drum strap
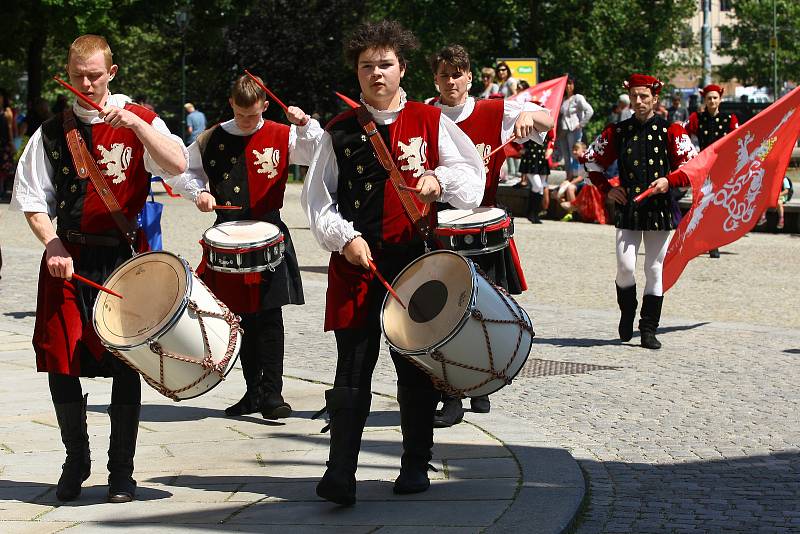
pixel 419 219
pixel 86 167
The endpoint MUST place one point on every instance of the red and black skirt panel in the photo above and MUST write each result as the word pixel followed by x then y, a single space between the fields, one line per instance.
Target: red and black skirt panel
pixel 64 339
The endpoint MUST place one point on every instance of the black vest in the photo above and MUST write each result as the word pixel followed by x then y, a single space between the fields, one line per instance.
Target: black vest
pixel 709 128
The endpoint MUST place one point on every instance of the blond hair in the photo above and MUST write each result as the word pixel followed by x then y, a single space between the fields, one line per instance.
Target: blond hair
pixel 246 92
pixel 87 45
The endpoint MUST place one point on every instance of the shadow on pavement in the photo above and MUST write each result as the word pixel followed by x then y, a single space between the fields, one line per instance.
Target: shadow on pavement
pixel 593 342
pixel 314 269
pixel 20 315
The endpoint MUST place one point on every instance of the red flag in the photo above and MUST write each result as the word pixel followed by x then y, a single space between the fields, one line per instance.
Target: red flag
pixel 733 182
pixel 549 94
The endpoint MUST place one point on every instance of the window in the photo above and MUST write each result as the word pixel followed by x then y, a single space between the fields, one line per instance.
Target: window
pixel 725 38
pixel 687 37
pixel 724 5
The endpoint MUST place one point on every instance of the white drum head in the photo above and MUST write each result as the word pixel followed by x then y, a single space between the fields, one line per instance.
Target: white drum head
pixel 239 234
pixel 437 289
pixel 480 216
pixel 154 286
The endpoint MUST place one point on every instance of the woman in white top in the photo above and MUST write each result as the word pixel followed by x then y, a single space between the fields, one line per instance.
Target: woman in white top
pixel 508 84
pixel 489 87
pixel 575 114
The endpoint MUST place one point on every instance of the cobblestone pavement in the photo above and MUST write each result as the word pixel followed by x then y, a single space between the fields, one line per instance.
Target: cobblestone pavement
pixel 701 436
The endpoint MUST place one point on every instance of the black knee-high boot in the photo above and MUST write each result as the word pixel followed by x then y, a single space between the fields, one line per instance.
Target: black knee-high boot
pixel 648 322
pixel 72 423
pixel 417 407
pixel 121 449
pixel 534 208
pixel 348 409
pixel 626 298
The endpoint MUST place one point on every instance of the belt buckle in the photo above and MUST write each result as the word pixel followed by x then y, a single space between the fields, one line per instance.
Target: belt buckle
pixel 76 237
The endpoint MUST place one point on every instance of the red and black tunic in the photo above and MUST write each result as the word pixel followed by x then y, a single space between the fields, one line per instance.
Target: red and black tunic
pixel 251 171
pixel 484 126
pixel 64 339
pixel 645 151
pixel 366 197
pixel 709 128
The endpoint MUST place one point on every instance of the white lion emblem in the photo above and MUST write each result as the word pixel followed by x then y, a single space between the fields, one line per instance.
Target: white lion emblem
pixel 684 146
pixel 483 151
pixel 413 154
pixel 116 161
pixel 267 161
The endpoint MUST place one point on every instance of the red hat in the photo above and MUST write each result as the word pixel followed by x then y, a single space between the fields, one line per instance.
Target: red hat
pixel 712 87
pixel 643 80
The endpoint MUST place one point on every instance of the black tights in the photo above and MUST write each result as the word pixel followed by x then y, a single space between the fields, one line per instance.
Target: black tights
pixel 125 388
pixel 261 354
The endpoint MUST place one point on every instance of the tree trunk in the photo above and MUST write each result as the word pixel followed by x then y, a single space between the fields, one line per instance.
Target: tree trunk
pixel 35 52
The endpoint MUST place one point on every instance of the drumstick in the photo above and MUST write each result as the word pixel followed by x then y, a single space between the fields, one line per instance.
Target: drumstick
pixel 266 90
pixel 221 207
pixel 646 193
pixel 86 281
pixel 79 94
pixel 385 283
pixel 347 100
pixel 408 188
pixel 496 150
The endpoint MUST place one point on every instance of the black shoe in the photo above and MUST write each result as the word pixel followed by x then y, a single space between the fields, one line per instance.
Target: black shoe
pixel 648 322
pixel 348 409
pixel 243 407
pixel 122 447
pixel 451 413
pixel 480 404
pixel 713 253
pixel 534 208
pixel 417 407
pixel 626 299
pixel 274 407
pixel 71 418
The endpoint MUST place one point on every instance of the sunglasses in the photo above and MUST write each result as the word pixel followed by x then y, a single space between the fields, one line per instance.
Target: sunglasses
pixel 502 69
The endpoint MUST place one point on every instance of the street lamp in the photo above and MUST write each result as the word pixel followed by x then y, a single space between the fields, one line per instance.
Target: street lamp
pixel 182 21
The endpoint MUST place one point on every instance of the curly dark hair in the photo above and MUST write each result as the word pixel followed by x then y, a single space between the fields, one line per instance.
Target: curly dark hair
pixel 454 55
pixel 384 35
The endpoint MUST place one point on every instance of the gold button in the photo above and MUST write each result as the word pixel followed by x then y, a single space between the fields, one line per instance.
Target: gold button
pixel 65 170
pixel 349 184
pixel 630 127
pixel 637 190
pixel 636 163
pixel 664 130
pixel 650 137
pixel 73 188
pixel 619 129
pixel 55 154
pixel 367 186
pixel 363 138
pixel 661 162
pixel 655 174
pixel 360 169
pixel 629 151
pixel 630 175
pixel 221 146
pixel 225 176
pixel 717 119
pixel 233 160
pixel 347 152
pixel 650 161
pixel 705 132
pixel 357 204
pixel 656 128
pixel 227 202
pixel 635 137
pixel 212 162
pixel 236 189
pixel 655 149
pixel 62 204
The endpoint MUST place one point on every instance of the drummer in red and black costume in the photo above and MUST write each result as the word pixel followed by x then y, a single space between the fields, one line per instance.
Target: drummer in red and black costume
pixel 245 162
pixel 355 212
pixel 129 143
pixel 647 148
pixel 711 124
pixel 488 123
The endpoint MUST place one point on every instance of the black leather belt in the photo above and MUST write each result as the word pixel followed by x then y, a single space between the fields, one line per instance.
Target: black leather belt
pixel 92 240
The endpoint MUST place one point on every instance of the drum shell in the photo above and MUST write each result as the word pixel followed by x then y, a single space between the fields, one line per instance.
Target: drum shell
pixel 251 260
pixel 475 237
pixel 461 344
pixel 182 336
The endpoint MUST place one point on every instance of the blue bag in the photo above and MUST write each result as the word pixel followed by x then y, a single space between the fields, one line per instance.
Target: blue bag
pixel 150 221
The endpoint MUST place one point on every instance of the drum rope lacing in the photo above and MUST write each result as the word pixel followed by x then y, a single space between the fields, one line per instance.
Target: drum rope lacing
pixel 493 374
pixel 207 362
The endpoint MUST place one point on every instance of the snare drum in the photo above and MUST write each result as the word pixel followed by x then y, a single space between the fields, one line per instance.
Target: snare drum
pixel 470 336
pixel 243 247
pixel 472 232
pixel 168 326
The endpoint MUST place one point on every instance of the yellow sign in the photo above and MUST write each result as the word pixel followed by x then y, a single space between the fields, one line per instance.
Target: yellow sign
pixel 523 68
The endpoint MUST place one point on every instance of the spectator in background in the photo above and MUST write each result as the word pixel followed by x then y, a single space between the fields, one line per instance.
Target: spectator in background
pixel 570 187
pixel 575 115
pixel 676 112
pixel 8 131
pixel 787 190
pixel 507 83
pixel 195 122
pixel 661 110
pixel 621 111
pixel 489 87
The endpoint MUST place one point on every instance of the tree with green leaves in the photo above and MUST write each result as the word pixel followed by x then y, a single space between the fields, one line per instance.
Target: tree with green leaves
pixel 749 43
